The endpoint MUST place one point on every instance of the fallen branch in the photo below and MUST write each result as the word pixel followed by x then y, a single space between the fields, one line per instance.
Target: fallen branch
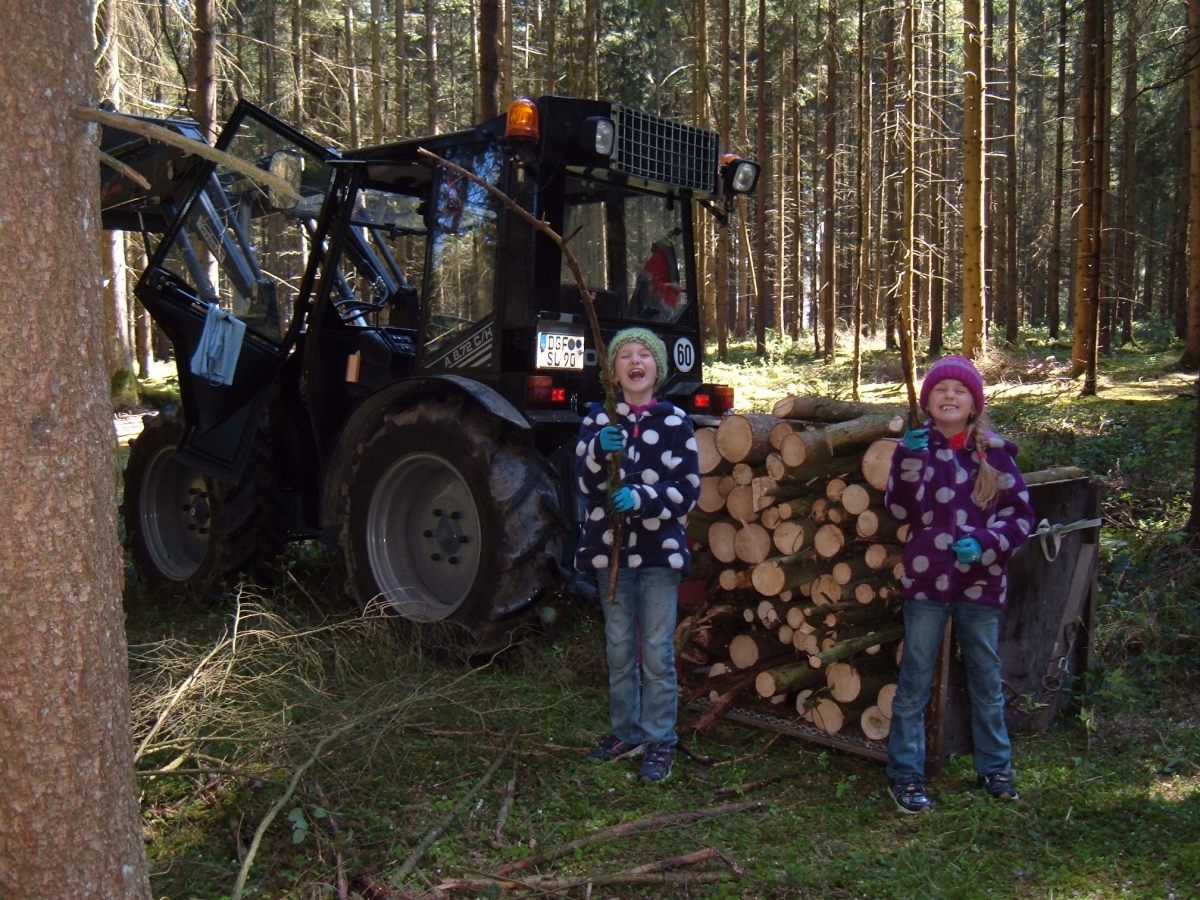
pixel 463 803
pixel 172 139
pixel 510 794
pixel 722 705
pixel 625 828
pixel 549 884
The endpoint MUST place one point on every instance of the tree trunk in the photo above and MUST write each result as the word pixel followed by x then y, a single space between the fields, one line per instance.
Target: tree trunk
pixel 829 242
pixel 1012 303
pixel 352 68
pixel 1053 304
pixel 1191 352
pixel 69 819
pixel 973 178
pixel 433 119
pixel 763 293
pixel 489 58
pixel 1083 350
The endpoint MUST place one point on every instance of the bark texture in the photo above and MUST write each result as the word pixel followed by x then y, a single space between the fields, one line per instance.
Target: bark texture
pixel 69 823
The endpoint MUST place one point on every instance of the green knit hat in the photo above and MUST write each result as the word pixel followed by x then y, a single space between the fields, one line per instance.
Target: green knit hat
pixel 647 339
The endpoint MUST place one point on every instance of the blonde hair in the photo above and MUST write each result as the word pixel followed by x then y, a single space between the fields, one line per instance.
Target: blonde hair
pixel 986 485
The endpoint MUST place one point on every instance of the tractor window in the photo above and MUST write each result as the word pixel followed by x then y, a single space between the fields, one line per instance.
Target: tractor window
pixel 629 246
pixel 462 256
pixel 383 261
pixel 244 243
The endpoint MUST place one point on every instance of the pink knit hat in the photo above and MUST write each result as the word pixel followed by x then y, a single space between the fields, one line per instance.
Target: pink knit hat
pixel 958 367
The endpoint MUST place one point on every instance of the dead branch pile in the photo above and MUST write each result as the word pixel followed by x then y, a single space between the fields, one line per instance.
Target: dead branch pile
pixel 802 563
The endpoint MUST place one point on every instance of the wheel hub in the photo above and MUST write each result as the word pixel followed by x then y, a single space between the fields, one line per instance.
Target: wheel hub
pixel 422 537
pixel 175 515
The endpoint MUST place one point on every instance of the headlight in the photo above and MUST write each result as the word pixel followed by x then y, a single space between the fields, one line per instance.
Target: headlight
pixel 744 177
pixel 598 135
pixel 740 175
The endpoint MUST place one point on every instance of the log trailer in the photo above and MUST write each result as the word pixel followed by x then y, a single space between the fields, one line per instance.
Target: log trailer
pixel 414 361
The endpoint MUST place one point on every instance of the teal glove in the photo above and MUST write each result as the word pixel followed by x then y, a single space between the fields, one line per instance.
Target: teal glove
pixel 612 439
pixel 967 550
pixel 916 439
pixel 622 500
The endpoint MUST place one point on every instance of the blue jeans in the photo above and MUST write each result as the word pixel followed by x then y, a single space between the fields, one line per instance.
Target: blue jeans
pixel 642 700
pixel 977 629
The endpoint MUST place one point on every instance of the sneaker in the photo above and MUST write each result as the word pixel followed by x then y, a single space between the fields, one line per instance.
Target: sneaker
pixel 611 747
pixel 1000 785
pixel 656 766
pixel 910 796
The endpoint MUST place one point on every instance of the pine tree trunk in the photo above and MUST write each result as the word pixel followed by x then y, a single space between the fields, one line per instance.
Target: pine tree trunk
pixel 829 241
pixel 973 181
pixel 69 819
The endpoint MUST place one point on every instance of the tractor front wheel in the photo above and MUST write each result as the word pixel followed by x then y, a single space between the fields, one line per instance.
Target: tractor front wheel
pixel 185 529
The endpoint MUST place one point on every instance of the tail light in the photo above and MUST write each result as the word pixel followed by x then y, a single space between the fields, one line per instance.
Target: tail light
pixel 541 390
pixel 713 400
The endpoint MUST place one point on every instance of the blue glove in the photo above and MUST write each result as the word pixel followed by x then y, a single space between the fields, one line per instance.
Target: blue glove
pixel 622 500
pixel 915 439
pixel 612 439
pixel 967 550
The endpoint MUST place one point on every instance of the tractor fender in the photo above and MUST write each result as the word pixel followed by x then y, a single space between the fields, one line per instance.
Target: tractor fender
pixel 365 420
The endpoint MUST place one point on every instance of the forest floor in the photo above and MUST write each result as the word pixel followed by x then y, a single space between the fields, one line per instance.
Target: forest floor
pixel 281 710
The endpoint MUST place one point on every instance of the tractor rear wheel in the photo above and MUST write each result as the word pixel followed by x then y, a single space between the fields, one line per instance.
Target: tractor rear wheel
pixel 185 529
pixel 451 524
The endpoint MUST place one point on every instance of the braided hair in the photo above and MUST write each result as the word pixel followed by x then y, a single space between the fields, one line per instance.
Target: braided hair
pixel 986 485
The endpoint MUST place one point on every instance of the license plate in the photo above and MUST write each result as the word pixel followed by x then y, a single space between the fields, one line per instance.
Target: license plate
pixel 557 350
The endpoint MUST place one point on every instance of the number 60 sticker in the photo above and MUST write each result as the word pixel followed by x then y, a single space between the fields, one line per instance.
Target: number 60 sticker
pixel 685 355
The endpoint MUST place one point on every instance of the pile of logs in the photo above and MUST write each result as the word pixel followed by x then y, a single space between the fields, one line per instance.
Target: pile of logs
pixel 802 564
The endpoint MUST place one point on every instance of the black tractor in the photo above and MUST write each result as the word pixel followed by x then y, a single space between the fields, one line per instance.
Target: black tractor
pixel 376 352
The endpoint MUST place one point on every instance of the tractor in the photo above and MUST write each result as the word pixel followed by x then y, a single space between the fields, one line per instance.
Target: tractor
pixel 409 362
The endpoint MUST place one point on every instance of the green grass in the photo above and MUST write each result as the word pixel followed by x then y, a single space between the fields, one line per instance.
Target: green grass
pixel 1110 796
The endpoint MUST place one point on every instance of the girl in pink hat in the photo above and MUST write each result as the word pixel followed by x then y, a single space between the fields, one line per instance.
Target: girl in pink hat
pixel 957 486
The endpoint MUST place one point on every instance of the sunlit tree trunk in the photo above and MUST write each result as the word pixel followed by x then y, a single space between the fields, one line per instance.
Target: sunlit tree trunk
pixel 1054 292
pixel 1083 351
pixel 797 161
pixel 938 269
pixel 1012 301
pixel 973 169
pixel 1125 283
pixel 745 276
pixel 69 819
pixel 377 91
pixel 828 237
pixel 352 69
pixel 722 279
pixel 763 292
pixel 433 118
pixel 863 205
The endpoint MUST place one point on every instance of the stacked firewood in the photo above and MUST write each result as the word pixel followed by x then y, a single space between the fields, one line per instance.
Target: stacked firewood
pixel 802 564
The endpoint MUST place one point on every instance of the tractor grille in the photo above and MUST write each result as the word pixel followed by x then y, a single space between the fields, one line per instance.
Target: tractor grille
pixel 664 151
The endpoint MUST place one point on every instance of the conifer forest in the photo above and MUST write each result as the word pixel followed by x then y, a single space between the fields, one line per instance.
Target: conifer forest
pixel 1005 164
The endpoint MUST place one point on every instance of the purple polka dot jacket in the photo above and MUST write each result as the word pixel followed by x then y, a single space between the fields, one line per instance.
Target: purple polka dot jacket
pixel 930 490
pixel 660 466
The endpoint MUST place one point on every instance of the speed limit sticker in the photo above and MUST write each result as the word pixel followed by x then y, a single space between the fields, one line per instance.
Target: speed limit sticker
pixel 685 355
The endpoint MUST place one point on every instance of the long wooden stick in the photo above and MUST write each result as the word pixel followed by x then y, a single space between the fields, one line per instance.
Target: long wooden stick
pixel 587 296
pixel 623 829
pixel 462 804
pixel 166 136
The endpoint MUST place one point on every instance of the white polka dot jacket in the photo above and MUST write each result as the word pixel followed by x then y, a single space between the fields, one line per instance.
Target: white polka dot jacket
pixel 930 490
pixel 661 468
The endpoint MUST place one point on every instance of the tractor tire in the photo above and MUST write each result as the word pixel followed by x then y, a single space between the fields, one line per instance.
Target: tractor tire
pixel 451 524
pixel 186 530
